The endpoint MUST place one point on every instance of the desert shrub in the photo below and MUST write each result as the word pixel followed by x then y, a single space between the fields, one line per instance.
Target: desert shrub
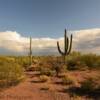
pixel 58 65
pixel 24 61
pixel 76 97
pixel 44 78
pixel 10 72
pixel 91 84
pixel 90 60
pixel 4 59
pixel 61 75
pixel 67 79
pixel 79 61
pixel 21 60
pixel 74 63
pixel 47 71
pixel 57 70
pixel 87 85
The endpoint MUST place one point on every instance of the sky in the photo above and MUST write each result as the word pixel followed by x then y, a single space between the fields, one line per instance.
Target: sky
pixel 45 21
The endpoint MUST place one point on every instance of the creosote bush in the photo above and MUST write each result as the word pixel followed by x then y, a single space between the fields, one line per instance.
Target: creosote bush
pixel 91 84
pixel 23 61
pixel 87 85
pixel 10 72
pixel 78 61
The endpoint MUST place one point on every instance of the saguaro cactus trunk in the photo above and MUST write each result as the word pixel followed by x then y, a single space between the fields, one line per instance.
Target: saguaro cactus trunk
pixel 30 54
pixel 67 46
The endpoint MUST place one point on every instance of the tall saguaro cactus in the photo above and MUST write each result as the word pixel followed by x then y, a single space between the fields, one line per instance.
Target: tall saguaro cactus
pixel 30 54
pixel 67 46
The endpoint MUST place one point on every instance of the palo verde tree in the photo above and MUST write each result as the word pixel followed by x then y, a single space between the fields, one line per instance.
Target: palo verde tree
pixel 67 46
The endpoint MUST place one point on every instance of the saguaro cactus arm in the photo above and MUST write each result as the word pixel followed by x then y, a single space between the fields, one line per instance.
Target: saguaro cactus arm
pixel 66 41
pixel 70 45
pixel 59 49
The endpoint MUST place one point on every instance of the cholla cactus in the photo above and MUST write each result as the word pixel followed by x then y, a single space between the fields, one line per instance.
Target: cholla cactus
pixel 67 47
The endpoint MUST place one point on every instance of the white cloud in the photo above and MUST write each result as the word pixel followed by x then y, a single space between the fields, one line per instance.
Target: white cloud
pixel 13 41
pixel 83 40
pixel 87 40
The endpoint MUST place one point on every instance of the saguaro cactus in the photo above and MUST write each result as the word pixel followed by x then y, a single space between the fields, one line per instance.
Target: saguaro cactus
pixel 30 54
pixel 67 46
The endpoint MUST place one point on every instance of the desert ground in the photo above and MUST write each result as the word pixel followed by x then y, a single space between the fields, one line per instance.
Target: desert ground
pixel 49 79
pixel 33 89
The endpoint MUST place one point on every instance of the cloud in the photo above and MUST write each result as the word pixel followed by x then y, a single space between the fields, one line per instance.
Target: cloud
pixel 83 40
pixel 87 40
pixel 14 42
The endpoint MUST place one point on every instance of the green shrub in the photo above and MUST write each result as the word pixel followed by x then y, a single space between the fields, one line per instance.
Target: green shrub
pixel 79 61
pixel 74 63
pixel 90 60
pixel 10 72
pixel 91 84
pixel 24 61
pixel 87 85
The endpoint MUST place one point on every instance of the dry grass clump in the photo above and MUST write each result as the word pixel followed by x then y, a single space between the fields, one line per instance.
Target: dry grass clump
pixel 45 87
pixel 69 80
pixel 47 71
pixel 44 78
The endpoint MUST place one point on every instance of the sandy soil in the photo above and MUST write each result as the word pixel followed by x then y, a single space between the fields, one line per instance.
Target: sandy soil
pixel 31 89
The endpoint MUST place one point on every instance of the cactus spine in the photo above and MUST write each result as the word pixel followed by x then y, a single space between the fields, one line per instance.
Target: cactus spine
pixel 30 54
pixel 67 46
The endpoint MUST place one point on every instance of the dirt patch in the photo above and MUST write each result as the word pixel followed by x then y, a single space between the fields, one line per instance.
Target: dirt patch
pixel 32 89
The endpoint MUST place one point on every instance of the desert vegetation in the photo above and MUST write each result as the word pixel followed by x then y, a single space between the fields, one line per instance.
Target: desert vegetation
pixel 80 76
pixel 10 72
pixel 72 73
